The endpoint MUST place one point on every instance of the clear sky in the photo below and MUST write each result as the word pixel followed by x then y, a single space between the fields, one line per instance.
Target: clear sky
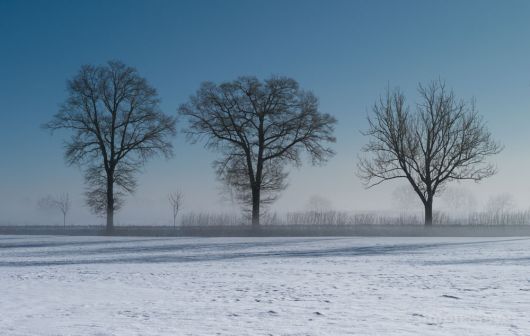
pixel 346 52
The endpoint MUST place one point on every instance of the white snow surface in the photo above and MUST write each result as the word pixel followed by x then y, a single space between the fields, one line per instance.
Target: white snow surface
pixel 53 285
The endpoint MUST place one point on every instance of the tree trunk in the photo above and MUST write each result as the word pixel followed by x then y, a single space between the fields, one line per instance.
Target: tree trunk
pixel 64 221
pixel 110 204
pixel 255 207
pixel 428 212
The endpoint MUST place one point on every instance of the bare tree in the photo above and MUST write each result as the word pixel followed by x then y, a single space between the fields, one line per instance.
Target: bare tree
pixel 258 128
pixel 317 203
pixel 500 204
pixel 175 200
pixel 459 201
pixel 117 125
pixel 444 140
pixel 61 203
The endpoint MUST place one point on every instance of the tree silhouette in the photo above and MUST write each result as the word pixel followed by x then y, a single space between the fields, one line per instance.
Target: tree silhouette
pixel 175 200
pixel 61 203
pixel 117 125
pixel 444 140
pixel 258 128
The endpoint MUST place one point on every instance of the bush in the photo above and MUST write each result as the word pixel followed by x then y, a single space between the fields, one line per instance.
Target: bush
pixel 343 218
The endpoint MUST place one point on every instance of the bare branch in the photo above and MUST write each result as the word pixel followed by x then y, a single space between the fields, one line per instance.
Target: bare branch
pixel 258 128
pixel 116 124
pixel 444 140
pixel 60 202
pixel 175 200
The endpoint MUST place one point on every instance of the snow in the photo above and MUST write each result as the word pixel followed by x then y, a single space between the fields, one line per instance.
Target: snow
pixel 264 286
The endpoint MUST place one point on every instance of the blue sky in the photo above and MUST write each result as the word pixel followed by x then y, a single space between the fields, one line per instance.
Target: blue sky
pixel 346 52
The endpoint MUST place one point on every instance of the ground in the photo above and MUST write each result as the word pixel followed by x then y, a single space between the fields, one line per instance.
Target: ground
pixel 264 286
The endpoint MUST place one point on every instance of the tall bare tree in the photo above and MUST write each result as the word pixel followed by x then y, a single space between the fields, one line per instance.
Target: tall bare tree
pixel 175 200
pixel 60 202
pixel 444 140
pixel 117 125
pixel 258 127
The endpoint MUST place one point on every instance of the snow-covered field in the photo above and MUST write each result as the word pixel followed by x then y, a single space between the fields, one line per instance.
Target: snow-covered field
pixel 264 286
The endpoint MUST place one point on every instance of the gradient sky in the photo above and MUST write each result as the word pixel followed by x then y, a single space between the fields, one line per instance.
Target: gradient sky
pixel 346 52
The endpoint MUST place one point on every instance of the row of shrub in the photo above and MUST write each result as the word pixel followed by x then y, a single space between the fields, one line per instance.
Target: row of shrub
pixel 343 218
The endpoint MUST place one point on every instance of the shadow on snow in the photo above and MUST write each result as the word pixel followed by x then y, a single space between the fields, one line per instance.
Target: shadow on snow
pixel 113 253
